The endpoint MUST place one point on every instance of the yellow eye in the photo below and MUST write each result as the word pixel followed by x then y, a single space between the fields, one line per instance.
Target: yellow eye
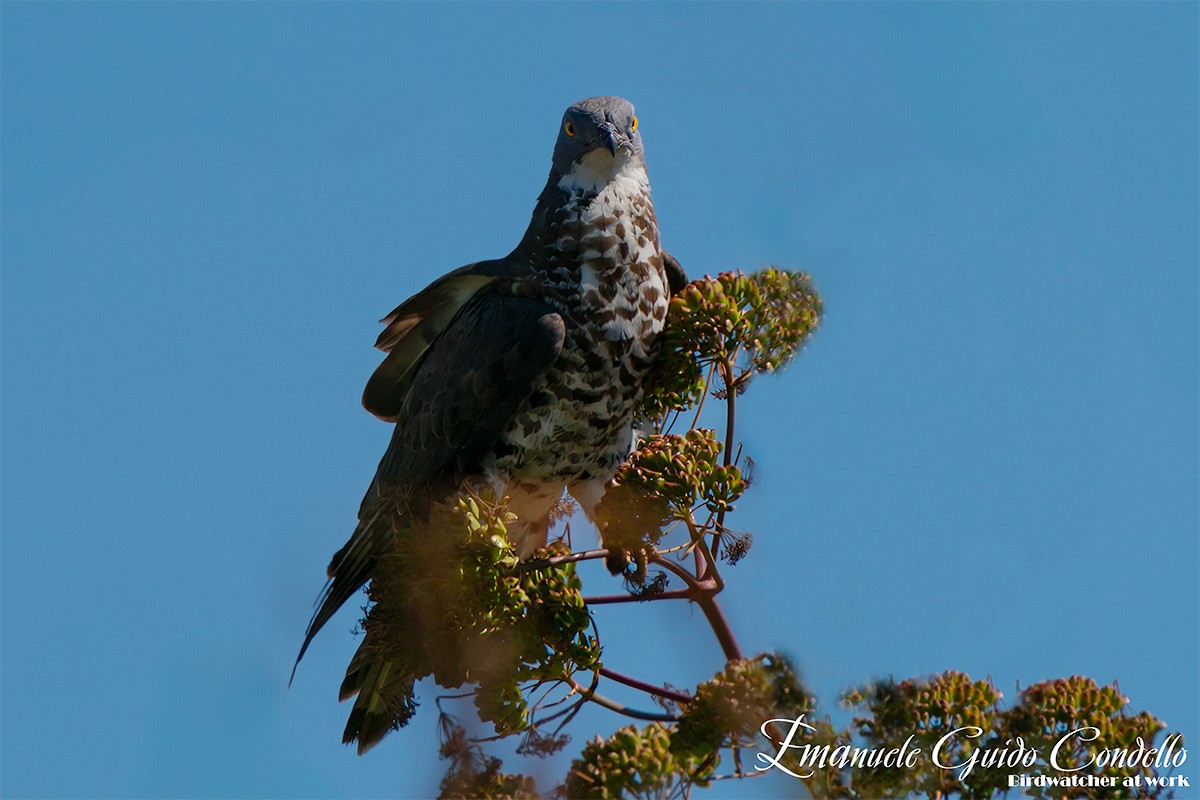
pixel 633 127
pixel 570 129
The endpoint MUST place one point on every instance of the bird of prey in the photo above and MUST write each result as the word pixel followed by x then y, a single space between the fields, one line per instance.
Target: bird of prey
pixel 521 373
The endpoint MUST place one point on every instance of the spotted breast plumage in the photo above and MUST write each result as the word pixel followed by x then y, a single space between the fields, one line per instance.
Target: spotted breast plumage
pixel 521 373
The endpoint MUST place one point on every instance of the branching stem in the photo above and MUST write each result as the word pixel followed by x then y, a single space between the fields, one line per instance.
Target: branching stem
pixel 607 599
pixel 660 691
pixel 613 705
pixel 703 395
pixel 720 626
pixel 702 591
pixel 542 563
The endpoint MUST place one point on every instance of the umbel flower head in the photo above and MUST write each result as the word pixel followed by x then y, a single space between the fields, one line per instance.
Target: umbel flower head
pixel 743 324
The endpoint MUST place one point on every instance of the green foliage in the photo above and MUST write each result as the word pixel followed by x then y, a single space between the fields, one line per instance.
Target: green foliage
pixel 1047 712
pixel 683 470
pixel 636 762
pixel 454 602
pixel 728 710
pixel 663 482
pixel 949 713
pixel 982 744
pixel 745 323
pixel 927 711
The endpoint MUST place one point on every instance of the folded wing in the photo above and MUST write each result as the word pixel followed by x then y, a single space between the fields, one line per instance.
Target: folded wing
pixel 450 406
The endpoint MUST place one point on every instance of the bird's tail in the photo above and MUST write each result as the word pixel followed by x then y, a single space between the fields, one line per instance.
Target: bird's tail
pixel 351 566
pixel 384 699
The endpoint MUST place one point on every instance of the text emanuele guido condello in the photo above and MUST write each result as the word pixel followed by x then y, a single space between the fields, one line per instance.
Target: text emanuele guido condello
pixel 802 759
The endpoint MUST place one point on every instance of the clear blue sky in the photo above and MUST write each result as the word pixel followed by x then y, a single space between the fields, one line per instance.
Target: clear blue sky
pixel 986 460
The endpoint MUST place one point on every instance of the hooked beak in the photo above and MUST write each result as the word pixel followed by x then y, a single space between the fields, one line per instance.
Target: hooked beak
pixel 610 138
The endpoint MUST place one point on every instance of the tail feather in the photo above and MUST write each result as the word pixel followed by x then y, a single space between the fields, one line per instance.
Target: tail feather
pixel 349 570
pixel 384 699
pixel 381 685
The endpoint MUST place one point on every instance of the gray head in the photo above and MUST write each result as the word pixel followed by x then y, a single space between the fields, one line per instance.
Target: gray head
pixel 598 123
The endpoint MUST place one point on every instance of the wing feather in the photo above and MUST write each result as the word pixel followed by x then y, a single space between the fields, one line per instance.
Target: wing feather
pixel 462 394
pixel 414 325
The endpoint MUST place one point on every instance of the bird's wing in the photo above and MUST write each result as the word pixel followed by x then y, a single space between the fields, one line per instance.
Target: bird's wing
pixel 470 385
pixel 415 324
pixel 464 389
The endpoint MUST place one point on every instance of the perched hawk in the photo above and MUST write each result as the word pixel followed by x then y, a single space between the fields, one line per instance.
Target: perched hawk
pixel 522 373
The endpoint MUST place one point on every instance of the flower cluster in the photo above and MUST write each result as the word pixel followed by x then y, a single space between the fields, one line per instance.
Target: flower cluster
pixel 1047 713
pixel 746 324
pixel 927 710
pixel 728 710
pixel 1039 736
pixel 683 470
pixel 635 762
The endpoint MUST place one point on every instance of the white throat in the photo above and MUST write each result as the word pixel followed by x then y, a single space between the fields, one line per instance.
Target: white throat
pixel 599 168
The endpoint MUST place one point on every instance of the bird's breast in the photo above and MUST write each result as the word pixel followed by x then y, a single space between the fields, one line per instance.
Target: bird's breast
pixel 609 284
pixel 610 241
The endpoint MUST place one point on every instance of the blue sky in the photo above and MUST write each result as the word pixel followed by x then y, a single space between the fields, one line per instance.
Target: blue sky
pixel 986 460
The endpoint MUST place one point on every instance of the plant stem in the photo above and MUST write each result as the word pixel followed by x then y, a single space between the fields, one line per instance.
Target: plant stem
pixel 542 563
pixel 720 626
pixel 702 592
pixel 730 407
pixel 603 599
pixel 612 705
pixel 730 415
pixel 678 697
pixel 703 395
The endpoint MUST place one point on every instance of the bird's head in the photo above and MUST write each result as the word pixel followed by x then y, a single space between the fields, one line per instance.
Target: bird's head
pixel 598 135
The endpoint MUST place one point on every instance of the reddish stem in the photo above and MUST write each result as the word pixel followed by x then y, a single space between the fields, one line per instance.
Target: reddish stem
pixel 720 626
pixel 650 688
pixel 702 591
